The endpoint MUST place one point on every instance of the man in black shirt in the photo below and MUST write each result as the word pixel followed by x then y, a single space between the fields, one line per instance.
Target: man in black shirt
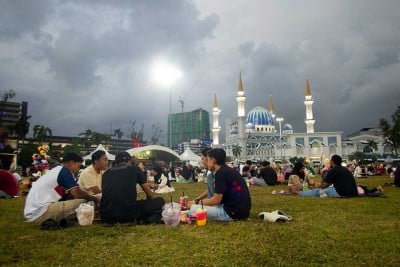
pixel 231 199
pixel 267 175
pixel 344 184
pixel 118 202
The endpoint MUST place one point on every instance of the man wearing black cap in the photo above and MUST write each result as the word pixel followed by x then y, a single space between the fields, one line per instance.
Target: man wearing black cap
pixel 118 202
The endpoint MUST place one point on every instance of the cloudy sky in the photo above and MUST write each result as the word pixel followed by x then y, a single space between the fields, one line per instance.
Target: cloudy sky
pixel 87 64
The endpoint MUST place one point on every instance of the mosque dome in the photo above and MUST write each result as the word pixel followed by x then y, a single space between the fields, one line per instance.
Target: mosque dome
pixel 287 127
pixel 249 126
pixel 259 116
pixel 233 131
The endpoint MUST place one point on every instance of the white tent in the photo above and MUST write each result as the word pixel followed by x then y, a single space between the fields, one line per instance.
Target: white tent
pixel 100 147
pixel 189 155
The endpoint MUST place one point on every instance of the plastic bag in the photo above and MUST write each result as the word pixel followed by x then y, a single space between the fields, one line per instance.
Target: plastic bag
pixel 85 213
pixel 171 214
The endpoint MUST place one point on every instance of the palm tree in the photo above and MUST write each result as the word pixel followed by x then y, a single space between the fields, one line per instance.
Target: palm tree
pixel 40 132
pixel 237 151
pixel 21 128
pixel 87 138
pixel 371 146
pixel 119 134
pixel 392 131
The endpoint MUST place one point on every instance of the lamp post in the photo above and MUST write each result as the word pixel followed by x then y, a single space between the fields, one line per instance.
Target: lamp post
pixel 165 74
pixel 279 120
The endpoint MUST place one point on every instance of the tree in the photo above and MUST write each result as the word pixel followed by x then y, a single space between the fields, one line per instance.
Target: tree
pixel 371 146
pixel 87 138
pixel 237 151
pixel 40 132
pixel 25 155
pixel 119 134
pixel 357 156
pixel 21 128
pixel 392 132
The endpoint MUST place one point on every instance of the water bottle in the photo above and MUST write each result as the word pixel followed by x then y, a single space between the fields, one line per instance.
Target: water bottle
pixel 305 185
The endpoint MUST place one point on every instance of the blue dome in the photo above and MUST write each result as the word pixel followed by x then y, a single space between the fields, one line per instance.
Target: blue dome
pixel 249 126
pixel 287 127
pixel 259 116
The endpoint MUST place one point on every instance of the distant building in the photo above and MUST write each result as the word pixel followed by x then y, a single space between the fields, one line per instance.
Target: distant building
pixel 186 126
pixel 261 135
pixel 11 112
pixel 360 142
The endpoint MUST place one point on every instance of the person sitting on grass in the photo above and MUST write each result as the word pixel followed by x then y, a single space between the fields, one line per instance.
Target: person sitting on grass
pixel 297 177
pixel 267 175
pixel 339 182
pixel 90 178
pixel 8 183
pixel 53 198
pixel 231 200
pixel 118 201
pixel 209 192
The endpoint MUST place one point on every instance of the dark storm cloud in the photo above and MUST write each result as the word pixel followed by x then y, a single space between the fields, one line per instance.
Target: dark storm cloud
pixel 85 64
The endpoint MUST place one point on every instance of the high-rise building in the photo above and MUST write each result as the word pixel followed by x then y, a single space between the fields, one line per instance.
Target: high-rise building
pixel 186 126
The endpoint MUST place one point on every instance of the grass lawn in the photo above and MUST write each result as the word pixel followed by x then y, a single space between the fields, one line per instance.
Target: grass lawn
pixel 331 232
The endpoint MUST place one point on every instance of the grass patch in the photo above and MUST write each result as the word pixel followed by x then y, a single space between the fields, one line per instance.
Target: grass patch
pixel 324 231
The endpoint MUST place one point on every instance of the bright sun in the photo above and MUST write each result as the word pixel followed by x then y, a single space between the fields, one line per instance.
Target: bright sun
pixel 164 73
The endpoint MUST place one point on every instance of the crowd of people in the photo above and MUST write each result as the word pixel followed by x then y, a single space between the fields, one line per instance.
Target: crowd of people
pixel 54 197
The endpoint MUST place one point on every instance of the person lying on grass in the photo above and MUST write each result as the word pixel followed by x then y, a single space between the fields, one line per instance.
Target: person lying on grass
pixel 231 199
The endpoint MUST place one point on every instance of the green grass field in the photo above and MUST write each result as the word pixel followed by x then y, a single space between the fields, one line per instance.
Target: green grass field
pixel 329 232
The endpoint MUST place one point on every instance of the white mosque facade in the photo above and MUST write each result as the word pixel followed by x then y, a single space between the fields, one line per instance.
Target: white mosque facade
pixel 261 135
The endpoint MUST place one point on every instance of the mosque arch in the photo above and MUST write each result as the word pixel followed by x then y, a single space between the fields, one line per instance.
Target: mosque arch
pixel 299 150
pixel 332 149
pixel 136 150
pixel 316 149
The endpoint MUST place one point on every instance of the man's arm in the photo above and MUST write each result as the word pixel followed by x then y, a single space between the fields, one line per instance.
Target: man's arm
pixel 213 201
pixel 77 193
pixel 203 195
pixel 95 189
pixel 324 184
pixel 147 190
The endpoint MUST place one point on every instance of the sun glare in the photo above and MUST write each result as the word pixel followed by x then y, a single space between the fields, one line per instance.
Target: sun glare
pixel 164 74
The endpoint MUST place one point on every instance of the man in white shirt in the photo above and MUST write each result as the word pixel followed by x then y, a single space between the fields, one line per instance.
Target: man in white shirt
pixel 44 202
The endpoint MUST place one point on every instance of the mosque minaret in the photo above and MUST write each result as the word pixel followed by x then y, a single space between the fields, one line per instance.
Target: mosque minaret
pixel 309 113
pixel 241 98
pixel 216 128
pixel 271 107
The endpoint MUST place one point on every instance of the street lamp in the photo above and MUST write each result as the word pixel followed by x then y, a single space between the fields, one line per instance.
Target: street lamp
pixel 165 74
pixel 279 120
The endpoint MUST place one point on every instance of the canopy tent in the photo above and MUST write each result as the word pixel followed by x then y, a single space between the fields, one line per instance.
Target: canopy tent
pixel 189 155
pixel 100 147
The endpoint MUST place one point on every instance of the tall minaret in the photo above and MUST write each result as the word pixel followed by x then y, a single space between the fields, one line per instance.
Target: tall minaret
pixel 271 107
pixel 309 114
pixel 241 98
pixel 216 128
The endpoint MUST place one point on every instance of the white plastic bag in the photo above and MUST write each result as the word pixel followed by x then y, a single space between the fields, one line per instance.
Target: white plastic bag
pixel 171 214
pixel 85 214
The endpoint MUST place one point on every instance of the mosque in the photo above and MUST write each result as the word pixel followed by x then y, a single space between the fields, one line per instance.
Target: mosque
pixel 260 135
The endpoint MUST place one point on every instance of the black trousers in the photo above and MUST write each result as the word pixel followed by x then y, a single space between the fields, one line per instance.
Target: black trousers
pixel 149 210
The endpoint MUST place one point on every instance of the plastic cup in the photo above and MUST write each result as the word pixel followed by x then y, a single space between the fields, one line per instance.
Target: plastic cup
pixel 183 201
pixel 201 217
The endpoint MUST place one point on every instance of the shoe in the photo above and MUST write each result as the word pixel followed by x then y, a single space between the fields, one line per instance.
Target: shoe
pixel 64 223
pixel 50 225
pixel 272 217
pixel 279 212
